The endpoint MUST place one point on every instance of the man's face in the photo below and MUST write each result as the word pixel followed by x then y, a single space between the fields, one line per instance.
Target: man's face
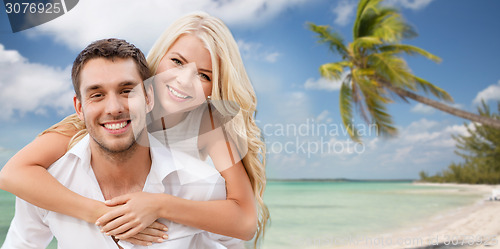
pixel 113 104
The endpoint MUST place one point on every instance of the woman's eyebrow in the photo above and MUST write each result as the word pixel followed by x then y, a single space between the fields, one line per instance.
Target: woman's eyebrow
pixel 182 57
pixel 186 61
pixel 205 70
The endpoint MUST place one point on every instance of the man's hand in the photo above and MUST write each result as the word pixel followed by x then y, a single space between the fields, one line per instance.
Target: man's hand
pixel 137 211
pixel 155 233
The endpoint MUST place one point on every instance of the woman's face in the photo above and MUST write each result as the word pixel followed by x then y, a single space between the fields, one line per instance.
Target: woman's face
pixel 184 75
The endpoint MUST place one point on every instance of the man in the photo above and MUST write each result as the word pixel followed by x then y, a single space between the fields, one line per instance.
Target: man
pixel 111 98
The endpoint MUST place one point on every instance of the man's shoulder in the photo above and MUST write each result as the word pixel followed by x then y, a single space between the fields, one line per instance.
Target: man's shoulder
pixel 80 152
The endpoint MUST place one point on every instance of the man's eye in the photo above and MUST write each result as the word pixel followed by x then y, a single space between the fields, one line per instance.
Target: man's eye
pixel 96 95
pixel 177 61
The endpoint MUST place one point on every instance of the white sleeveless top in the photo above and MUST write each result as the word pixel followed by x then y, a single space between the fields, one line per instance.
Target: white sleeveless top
pixel 183 138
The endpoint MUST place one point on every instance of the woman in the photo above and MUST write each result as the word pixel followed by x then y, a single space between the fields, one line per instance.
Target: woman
pixel 245 180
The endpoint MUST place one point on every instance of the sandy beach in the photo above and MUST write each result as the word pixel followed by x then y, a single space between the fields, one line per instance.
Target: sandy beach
pixel 474 226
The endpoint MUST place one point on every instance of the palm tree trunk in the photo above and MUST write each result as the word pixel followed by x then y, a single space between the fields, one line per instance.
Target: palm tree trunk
pixel 445 108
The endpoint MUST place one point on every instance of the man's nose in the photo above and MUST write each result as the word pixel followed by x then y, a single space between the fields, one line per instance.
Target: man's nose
pixel 114 104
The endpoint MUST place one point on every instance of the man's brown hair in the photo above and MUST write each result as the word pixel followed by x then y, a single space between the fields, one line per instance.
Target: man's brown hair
pixel 108 48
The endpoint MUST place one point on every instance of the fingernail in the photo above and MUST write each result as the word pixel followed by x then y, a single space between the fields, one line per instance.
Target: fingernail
pixel 159 240
pixel 97 223
pixel 149 244
pixel 165 236
pixel 108 234
pixel 165 229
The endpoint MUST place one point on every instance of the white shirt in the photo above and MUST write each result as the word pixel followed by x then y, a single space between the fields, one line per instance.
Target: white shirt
pixel 34 227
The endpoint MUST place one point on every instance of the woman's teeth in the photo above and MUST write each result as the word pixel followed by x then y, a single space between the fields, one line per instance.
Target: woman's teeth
pixel 115 126
pixel 175 93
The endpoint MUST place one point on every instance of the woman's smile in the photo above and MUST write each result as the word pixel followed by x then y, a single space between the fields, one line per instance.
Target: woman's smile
pixel 177 94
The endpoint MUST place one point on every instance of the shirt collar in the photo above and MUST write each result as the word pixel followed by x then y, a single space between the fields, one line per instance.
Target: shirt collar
pixel 161 157
pixel 82 150
pixel 163 162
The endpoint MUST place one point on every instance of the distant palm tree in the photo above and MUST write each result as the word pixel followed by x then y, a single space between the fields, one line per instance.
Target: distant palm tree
pixel 372 68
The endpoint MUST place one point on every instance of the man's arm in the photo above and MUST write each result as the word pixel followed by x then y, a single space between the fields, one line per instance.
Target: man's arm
pixel 27 230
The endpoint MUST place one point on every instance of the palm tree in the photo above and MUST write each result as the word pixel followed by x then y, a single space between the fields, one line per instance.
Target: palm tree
pixel 372 70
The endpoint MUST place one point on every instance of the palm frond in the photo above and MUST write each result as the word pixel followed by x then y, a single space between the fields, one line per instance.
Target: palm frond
pixel 345 105
pixel 364 43
pixel 436 91
pixel 392 69
pixel 410 50
pixel 334 40
pixel 375 103
pixel 390 27
pixel 364 7
pixel 334 70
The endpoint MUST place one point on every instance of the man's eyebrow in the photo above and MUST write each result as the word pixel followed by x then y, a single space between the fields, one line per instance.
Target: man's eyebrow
pixel 186 61
pixel 98 86
pixel 92 87
pixel 129 83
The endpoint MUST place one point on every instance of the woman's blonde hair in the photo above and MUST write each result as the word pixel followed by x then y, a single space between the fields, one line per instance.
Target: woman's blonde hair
pixel 231 83
pixel 68 126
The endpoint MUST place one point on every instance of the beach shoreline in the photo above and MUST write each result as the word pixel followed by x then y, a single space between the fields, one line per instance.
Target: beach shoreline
pixel 476 225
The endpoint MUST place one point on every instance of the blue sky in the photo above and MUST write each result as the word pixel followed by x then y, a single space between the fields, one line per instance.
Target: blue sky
pixel 282 59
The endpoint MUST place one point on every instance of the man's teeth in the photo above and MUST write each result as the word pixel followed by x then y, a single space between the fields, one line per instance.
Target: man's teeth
pixel 115 126
pixel 174 92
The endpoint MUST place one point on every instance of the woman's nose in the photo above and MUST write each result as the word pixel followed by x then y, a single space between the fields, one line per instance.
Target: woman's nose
pixel 187 75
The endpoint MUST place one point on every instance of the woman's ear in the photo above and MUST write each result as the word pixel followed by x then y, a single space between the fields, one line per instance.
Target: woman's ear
pixel 150 100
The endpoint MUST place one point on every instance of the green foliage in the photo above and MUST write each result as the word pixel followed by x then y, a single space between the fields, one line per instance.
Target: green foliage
pixel 481 152
pixel 372 62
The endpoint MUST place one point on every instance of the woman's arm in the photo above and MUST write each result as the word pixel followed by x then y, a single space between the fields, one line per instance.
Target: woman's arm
pixel 26 176
pixel 235 217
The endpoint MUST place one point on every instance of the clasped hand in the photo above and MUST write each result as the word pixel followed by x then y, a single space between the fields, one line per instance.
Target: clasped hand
pixel 133 219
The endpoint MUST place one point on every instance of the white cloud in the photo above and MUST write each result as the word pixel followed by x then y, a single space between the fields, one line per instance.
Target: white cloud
pixel 272 57
pixel 423 109
pixel 492 92
pixel 322 84
pixel 323 116
pixel 344 11
pixel 410 4
pixel 31 87
pixel 254 51
pixel 141 23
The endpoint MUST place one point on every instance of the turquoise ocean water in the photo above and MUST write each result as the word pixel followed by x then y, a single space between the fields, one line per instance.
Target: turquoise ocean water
pixel 305 213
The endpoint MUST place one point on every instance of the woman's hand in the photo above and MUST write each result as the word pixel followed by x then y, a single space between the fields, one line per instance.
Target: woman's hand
pixel 155 233
pixel 137 211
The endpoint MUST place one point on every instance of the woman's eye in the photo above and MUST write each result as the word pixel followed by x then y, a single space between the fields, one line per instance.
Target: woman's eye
pixel 177 61
pixel 204 77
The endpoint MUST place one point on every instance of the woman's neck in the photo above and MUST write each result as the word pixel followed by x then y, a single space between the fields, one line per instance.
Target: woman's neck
pixel 167 121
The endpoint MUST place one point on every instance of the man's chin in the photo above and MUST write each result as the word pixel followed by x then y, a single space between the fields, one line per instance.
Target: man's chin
pixel 119 148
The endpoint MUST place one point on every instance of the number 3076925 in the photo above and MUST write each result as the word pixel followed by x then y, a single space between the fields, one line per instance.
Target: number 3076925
pixel 33 8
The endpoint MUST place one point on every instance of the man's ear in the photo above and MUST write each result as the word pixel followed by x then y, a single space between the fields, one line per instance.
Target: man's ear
pixel 78 107
pixel 150 99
